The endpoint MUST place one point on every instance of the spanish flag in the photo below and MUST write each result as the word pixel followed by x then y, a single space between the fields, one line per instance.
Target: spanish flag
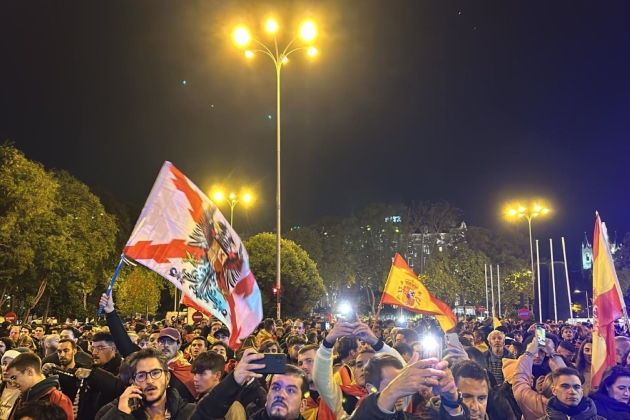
pixel 403 288
pixel 608 304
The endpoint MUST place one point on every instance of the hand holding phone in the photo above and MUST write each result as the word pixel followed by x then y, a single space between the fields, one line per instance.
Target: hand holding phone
pixel 274 363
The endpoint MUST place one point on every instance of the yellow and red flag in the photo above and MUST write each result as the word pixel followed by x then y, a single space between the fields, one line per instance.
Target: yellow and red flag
pixel 608 304
pixel 403 288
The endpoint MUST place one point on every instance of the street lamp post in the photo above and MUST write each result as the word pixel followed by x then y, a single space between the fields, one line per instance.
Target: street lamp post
pixel 232 200
pixel 588 312
pixel 242 38
pixel 529 214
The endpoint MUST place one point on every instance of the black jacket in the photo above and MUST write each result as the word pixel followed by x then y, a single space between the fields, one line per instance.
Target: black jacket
pixel 123 343
pixel 81 358
pixel 179 409
pixel 610 408
pixel 588 413
pixel 217 403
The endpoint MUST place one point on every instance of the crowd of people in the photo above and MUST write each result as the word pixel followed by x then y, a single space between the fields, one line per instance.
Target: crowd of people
pixel 350 369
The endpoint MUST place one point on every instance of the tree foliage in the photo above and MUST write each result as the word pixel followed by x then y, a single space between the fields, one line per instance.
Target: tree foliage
pixel 301 287
pixel 138 290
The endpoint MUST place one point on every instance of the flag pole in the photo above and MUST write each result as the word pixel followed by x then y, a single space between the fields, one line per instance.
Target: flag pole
pixel 108 292
pixel 485 267
pixel 539 295
pixel 553 282
pixel 499 288
pixel 378 310
pixel 492 287
pixel 566 273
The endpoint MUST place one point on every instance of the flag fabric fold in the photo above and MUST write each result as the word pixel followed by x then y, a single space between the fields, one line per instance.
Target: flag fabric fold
pixel 608 304
pixel 183 236
pixel 403 288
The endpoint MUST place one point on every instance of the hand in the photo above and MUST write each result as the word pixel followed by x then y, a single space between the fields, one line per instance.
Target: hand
pixel 549 347
pixel 363 332
pixel 533 346
pixel 446 385
pixel 341 329
pixel 107 303
pixel 415 377
pixel 455 354
pixel 123 402
pixel 83 373
pixel 48 368
pixel 531 328
pixel 243 370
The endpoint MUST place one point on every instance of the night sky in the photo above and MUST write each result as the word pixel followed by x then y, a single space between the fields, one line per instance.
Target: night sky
pixel 475 102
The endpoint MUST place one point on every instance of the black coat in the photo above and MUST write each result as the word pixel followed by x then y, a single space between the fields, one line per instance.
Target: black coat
pixel 610 408
pixel 179 409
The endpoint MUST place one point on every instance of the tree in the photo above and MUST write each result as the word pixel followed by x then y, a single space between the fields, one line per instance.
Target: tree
pixel 434 217
pixel 457 274
pixel 138 290
pixel 301 287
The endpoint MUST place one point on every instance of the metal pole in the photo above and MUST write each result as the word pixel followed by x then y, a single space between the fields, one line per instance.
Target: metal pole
pixel 487 301
pixel 553 282
pixel 531 254
pixel 492 288
pixel 539 295
pixel 566 273
pixel 499 288
pixel 232 204
pixel 588 312
pixel 278 202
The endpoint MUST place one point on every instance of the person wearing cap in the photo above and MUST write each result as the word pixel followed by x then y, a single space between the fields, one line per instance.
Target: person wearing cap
pixel 9 393
pixel 182 378
pixel 222 335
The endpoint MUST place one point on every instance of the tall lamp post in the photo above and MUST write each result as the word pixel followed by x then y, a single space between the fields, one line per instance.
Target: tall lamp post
pixel 232 200
pixel 529 214
pixel 279 57
pixel 588 312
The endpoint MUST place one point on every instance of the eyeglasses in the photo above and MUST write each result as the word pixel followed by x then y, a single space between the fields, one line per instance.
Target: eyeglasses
pixel 12 378
pixel 142 376
pixel 100 349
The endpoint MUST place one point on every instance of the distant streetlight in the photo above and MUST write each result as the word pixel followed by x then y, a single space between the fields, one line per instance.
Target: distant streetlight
pixel 232 200
pixel 242 38
pixel 529 213
pixel 588 313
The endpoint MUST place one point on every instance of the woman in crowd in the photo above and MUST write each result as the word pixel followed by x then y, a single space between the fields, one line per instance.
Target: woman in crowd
pixel 613 395
pixel 5 344
pixel 583 364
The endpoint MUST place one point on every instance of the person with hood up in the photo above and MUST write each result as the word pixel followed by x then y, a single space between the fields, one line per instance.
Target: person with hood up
pixel 25 373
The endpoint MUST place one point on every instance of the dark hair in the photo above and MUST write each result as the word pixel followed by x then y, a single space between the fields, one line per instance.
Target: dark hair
pixel 470 369
pixel 465 342
pixel 67 340
pixel 291 370
pixel 567 345
pixel 208 361
pixel 187 328
pixel 373 369
pixel 409 334
pixel 268 324
pixel 519 347
pixel 366 350
pixel 8 343
pixel 104 336
pixel 580 361
pixel 294 339
pixel 308 347
pixel 40 410
pixel 476 355
pixel 346 344
pixel 403 348
pixel 566 327
pixel 75 332
pixel 27 327
pixel 25 361
pixel 129 365
pixel 198 338
pixel 611 374
pixel 311 336
pixel 565 371
pixel 517 332
pixel 220 344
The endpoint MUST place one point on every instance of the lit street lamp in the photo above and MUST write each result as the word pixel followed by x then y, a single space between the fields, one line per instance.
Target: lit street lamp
pixel 588 312
pixel 242 38
pixel 232 200
pixel 535 211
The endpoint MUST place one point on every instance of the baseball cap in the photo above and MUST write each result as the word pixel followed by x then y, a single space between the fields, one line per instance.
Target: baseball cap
pixel 221 331
pixel 171 333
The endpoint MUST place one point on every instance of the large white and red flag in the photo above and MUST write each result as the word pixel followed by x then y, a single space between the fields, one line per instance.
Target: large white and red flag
pixel 608 304
pixel 183 236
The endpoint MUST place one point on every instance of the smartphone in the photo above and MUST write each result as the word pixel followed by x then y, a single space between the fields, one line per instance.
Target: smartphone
pixel 541 335
pixel 135 403
pixel 274 363
pixel 431 347
pixel 352 317
pixel 452 340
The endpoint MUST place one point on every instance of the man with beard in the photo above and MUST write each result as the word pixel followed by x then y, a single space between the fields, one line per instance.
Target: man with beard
pixel 294 344
pixel 81 357
pixel 285 399
pixel 149 396
pixel 66 352
pixel 182 378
